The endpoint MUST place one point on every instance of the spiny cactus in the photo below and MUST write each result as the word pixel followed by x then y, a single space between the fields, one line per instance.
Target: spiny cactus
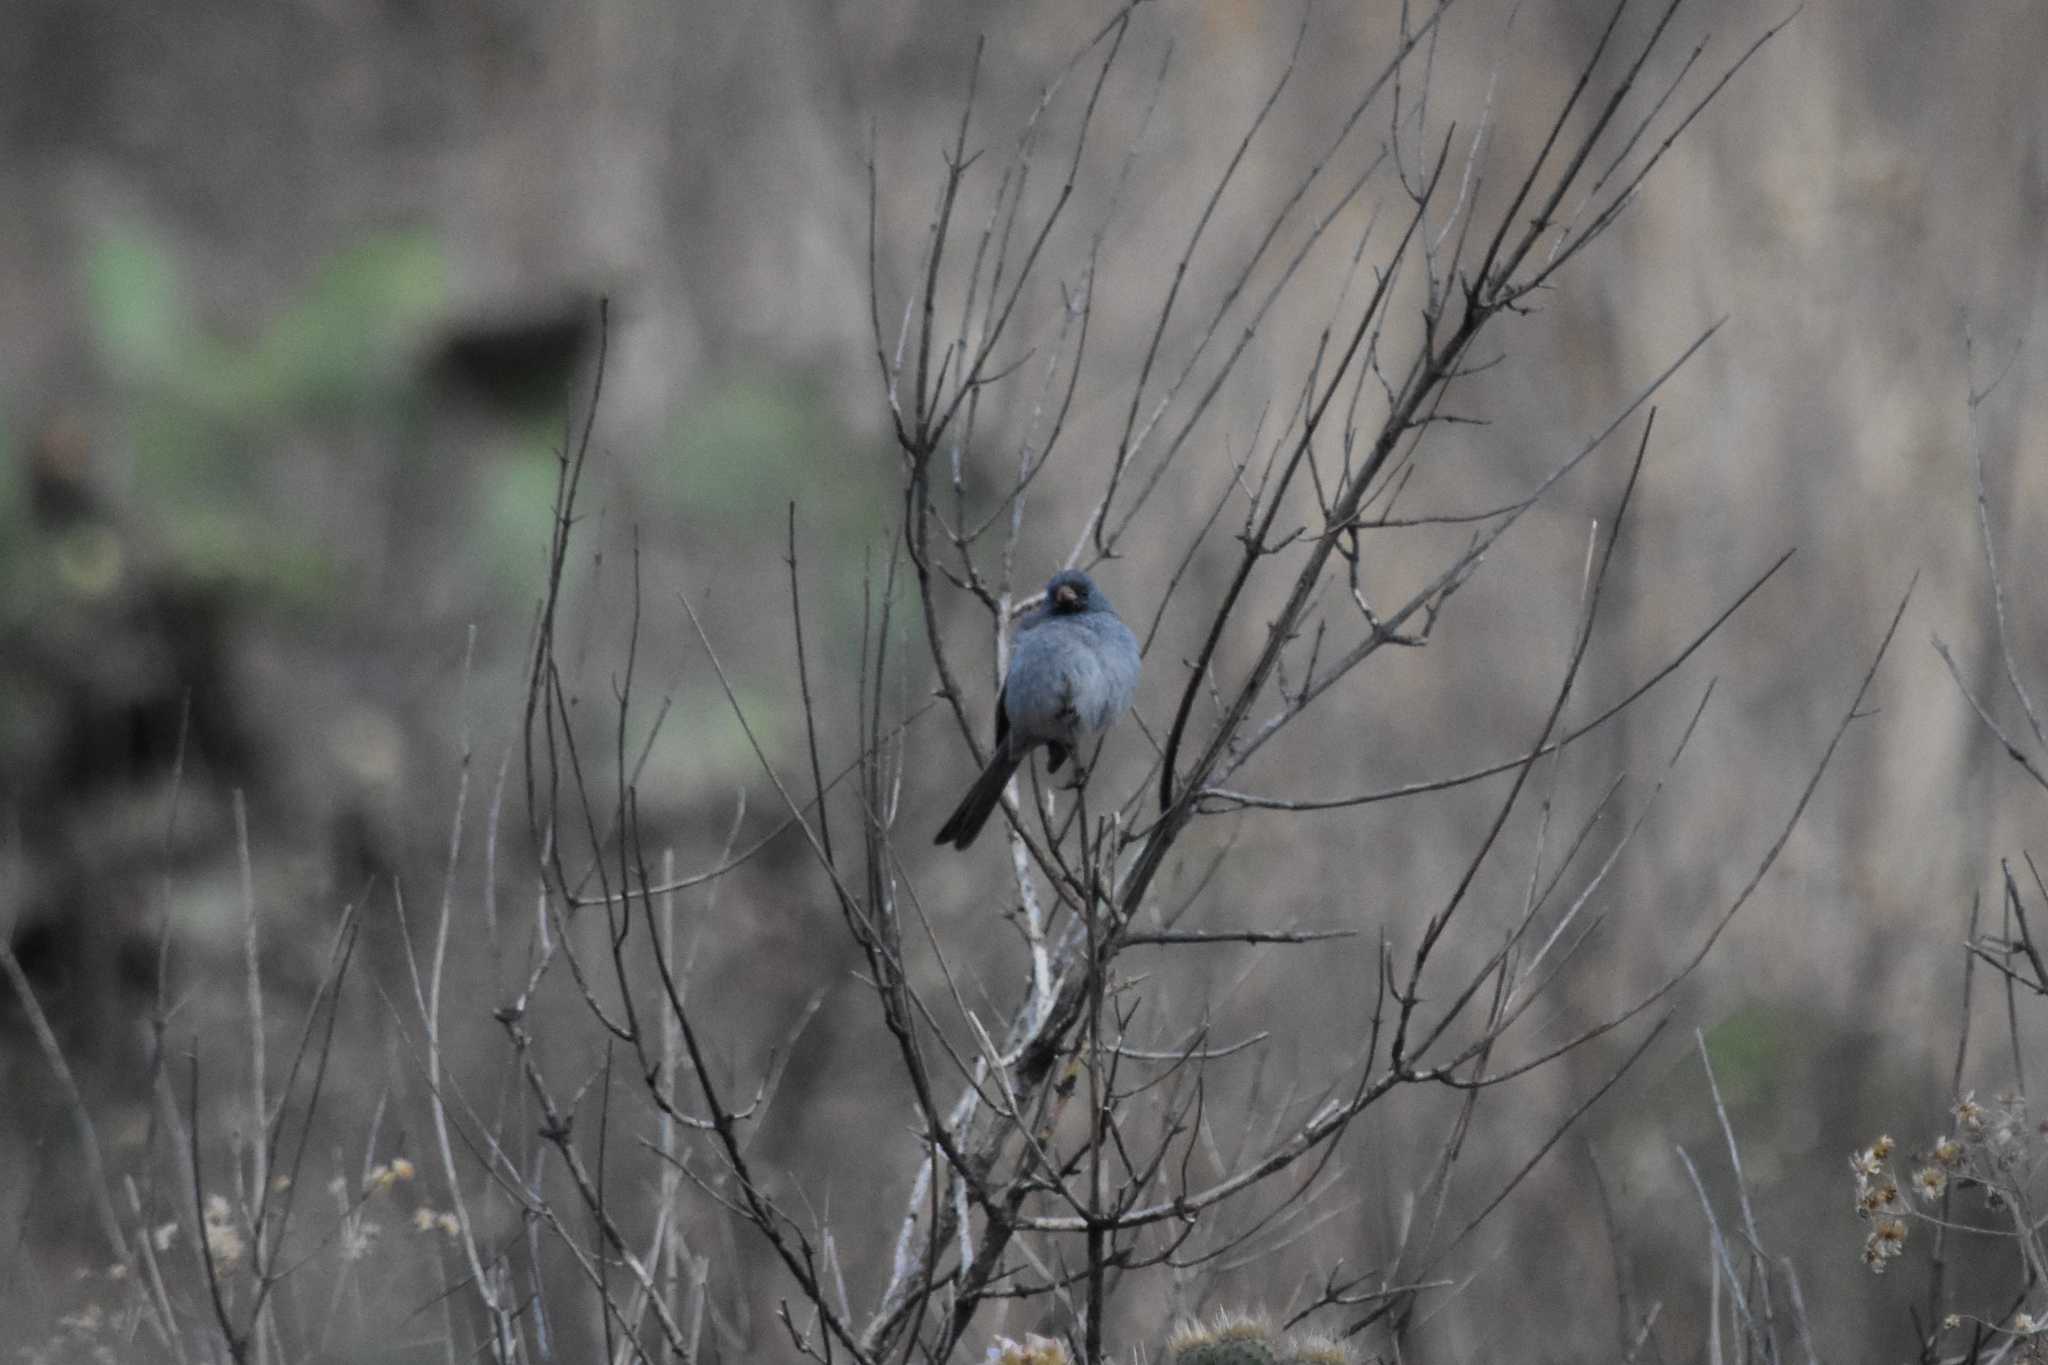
pixel 1317 1349
pixel 1233 1339
pixel 1227 1339
pixel 1033 1350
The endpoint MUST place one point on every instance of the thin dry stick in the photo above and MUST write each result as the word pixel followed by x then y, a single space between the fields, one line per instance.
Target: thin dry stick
pixel 259 1110
pixel 159 1010
pixel 1937 1266
pixel 1769 860
pixel 1069 1004
pixel 504 1332
pixel 237 1341
pixel 259 1103
pixel 1769 1330
pixel 1977 398
pixel 74 1100
pixel 1721 1259
pixel 2005 741
pixel 163 1318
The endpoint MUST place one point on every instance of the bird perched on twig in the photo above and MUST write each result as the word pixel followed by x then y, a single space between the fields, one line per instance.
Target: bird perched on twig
pixel 1073 671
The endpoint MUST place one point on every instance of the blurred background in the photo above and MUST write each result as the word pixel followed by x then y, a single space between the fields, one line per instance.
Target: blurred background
pixel 299 305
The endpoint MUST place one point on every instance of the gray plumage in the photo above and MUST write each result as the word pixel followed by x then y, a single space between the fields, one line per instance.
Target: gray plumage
pixel 1073 672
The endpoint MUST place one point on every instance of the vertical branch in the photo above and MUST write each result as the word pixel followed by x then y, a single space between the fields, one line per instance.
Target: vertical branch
pixel 2013 678
pixel 259 1103
pixel 1937 1264
pixel 237 1340
pixel 803 674
pixel 1099 1098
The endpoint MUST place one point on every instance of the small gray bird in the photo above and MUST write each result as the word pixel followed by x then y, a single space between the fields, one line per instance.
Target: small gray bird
pixel 1073 671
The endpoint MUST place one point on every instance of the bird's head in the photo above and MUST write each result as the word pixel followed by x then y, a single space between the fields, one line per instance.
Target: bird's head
pixel 1071 592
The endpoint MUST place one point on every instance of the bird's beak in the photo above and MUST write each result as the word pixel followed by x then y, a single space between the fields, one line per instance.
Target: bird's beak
pixel 1065 597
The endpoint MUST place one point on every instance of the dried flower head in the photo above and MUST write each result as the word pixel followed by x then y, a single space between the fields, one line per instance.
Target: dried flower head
pixel 85 1322
pixel 1885 1242
pixel 223 1238
pixel 358 1235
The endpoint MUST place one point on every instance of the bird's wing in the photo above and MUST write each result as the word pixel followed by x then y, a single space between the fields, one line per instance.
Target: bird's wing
pixel 1030 621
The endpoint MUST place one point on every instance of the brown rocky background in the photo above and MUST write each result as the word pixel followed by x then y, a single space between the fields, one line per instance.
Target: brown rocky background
pixel 293 300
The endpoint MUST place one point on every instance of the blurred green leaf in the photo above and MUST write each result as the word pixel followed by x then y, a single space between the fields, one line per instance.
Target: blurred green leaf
pixel 514 509
pixel 133 302
pixel 353 333
pixel 205 413
pixel 223 546
pixel 748 446
pixel 349 337
pixel 1747 1052
pixel 13 488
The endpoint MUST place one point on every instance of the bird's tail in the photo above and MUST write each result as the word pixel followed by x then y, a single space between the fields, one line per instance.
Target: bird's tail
pixel 981 800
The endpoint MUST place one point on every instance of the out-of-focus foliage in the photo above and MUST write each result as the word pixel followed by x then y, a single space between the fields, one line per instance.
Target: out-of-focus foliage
pixel 202 414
